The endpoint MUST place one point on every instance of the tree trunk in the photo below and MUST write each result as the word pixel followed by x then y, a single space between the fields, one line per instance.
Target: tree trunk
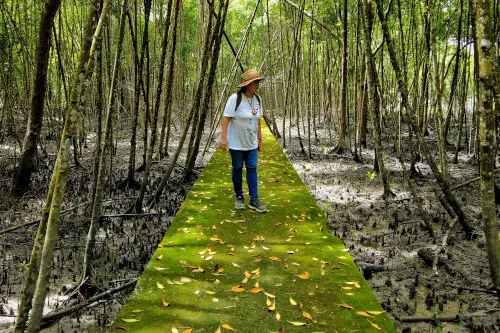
pixel 22 176
pixel 342 146
pixel 97 202
pixel 403 90
pixel 374 108
pixel 216 44
pixel 36 254
pixel 487 151
pixel 154 127
pixel 60 173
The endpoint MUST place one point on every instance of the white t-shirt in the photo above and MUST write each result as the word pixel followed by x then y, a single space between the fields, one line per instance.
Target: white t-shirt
pixel 243 127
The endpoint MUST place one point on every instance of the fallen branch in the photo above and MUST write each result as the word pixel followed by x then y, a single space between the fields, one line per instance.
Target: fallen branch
pixel 54 316
pixel 131 215
pixel 480 290
pixel 470 181
pixel 27 224
pixel 457 317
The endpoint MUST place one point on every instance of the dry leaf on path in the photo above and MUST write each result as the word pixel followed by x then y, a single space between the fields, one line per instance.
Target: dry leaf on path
pixel 121 328
pixel 237 289
pixel 375 313
pixel 363 314
pixel 376 326
pixel 297 323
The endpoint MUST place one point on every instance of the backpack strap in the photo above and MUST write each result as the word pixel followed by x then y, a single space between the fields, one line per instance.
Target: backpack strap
pixel 238 101
pixel 239 97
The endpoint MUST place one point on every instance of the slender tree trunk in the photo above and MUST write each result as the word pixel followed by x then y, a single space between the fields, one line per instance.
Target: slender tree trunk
pixel 60 173
pixel 130 182
pixel 163 151
pixel 22 176
pixel 341 147
pixel 216 44
pixel 374 108
pixel 97 202
pixel 487 151
pixel 48 214
pixel 403 90
pixel 150 150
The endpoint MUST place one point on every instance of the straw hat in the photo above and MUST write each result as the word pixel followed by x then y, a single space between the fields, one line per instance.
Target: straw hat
pixel 249 76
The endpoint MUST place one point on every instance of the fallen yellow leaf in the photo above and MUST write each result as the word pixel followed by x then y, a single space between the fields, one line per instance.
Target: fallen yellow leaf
pixel 159 285
pixel 307 315
pixel 297 323
pixel 247 274
pixel 256 290
pixel 165 303
pixel 237 289
pixel 304 276
pixel 363 314
pixel 345 306
pixel 218 330
pixel 375 313
pixel 269 295
pixel 257 271
pixel 236 265
pixel 278 316
pixel 268 302
pixel 227 327
pixel 292 301
pixel 187 330
pixel 160 268
pixel 220 270
pixel 160 257
pixel 272 307
pixel 274 258
pixel 174 330
pixel 376 326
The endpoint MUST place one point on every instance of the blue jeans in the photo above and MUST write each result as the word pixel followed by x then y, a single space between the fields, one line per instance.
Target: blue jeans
pixel 250 158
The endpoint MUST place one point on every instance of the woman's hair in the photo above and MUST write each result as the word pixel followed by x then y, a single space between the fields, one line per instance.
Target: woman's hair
pixel 242 89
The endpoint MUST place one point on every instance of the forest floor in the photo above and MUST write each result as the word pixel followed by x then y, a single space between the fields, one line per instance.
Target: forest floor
pixel 376 231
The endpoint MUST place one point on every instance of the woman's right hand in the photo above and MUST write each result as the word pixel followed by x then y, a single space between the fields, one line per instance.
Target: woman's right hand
pixel 223 143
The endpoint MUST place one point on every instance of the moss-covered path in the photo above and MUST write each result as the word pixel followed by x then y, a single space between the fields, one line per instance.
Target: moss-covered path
pixel 222 270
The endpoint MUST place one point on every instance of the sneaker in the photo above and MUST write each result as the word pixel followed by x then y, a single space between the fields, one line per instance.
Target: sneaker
pixel 240 203
pixel 257 206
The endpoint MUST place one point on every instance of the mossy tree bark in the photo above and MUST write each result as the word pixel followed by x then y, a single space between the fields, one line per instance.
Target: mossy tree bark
pixel 36 255
pixel 487 151
pixel 59 176
pixel 22 176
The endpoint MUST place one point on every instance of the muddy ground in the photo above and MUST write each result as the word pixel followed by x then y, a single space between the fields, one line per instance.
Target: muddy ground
pixel 385 233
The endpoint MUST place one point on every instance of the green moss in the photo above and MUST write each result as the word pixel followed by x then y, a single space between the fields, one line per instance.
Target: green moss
pixel 289 240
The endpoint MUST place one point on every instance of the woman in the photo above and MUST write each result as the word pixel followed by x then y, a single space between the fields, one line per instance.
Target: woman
pixel 241 134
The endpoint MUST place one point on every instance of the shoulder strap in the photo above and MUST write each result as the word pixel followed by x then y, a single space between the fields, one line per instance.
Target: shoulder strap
pixel 238 101
pixel 259 100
